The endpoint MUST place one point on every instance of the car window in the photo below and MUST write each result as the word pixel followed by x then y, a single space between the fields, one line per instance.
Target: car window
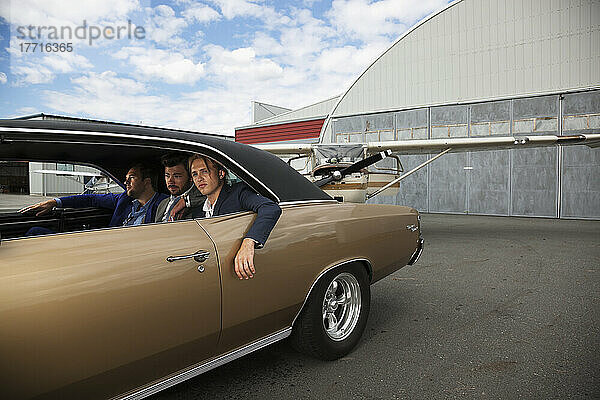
pixel 197 211
pixel 25 183
pixel 232 178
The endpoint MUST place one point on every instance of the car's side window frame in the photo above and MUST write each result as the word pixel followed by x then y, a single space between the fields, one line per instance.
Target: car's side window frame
pixel 232 178
pixel 10 217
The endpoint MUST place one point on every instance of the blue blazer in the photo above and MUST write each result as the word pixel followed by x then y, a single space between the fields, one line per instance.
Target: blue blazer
pixel 240 197
pixel 120 204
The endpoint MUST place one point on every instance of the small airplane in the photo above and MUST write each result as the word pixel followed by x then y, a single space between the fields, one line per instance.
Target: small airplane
pixel 335 169
pixel 97 182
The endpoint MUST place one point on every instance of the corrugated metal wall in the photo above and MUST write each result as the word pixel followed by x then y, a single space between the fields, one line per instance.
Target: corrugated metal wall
pixel 481 50
pixel 547 182
pixel 483 68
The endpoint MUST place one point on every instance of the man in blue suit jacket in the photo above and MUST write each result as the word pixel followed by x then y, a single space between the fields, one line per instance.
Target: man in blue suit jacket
pixel 221 198
pixel 135 206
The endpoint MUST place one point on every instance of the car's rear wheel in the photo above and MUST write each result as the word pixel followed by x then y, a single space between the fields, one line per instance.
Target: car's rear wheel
pixel 335 314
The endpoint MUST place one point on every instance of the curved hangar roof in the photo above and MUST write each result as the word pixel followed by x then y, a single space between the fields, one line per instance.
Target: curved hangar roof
pixel 477 50
pixel 114 148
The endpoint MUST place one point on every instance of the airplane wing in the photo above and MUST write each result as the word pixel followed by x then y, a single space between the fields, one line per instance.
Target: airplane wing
pixel 481 143
pixel 430 146
pixel 439 147
pixel 287 149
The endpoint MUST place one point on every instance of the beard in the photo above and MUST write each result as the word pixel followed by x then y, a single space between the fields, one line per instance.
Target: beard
pixel 133 193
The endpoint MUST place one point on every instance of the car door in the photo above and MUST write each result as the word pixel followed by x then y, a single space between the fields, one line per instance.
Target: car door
pixel 306 240
pixel 96 313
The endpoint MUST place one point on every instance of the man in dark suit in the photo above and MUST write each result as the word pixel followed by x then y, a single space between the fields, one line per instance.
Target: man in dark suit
pixel 179 183
pixel 210 179
pixel 137 205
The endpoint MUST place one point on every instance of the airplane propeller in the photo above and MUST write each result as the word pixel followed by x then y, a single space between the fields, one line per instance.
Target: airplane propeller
pixel 356 167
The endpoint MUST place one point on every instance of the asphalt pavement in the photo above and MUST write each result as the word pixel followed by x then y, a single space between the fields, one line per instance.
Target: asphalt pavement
pixel 496 308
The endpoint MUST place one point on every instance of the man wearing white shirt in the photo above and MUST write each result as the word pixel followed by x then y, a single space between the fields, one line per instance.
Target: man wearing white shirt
pixel 209 178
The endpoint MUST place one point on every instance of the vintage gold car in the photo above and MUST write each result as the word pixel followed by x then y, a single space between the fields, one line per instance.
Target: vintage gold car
pixel 97 312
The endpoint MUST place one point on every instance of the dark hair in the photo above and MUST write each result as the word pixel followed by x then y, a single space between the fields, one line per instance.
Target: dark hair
pixel 173 159
pixel 146 171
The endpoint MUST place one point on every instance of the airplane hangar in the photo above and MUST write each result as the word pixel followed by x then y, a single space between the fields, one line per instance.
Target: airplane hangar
pixel 476 68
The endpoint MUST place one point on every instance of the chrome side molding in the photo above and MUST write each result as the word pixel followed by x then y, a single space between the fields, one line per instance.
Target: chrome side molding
pixel 207 366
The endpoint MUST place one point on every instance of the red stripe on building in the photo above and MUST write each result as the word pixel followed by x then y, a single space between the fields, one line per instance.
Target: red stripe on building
pixel 276 133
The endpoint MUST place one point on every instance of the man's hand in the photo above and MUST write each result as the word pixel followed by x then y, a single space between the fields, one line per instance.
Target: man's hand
pixel 40 208
pixel 180 205
pixel 244 260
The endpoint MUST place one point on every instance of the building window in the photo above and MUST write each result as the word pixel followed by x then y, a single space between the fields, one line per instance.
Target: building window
pixel 449 122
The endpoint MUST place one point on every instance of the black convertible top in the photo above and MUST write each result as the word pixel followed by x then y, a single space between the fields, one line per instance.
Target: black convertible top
pixel 114 148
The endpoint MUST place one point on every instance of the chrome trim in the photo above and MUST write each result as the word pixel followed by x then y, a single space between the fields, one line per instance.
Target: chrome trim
pixel 370 272
pixel 207 366
pixel 198 220
pixel 121 227
pixel 141 137
pixel 417 254
pixel 199 256
pixel 340 313
pixel 300 202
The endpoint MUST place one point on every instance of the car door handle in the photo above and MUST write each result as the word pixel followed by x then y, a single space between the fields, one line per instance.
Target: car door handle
pixel 199 256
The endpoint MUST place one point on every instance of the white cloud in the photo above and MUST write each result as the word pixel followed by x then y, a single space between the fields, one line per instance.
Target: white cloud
pixel 365 19
pixel 110 97
pixel 67 21
pixel 248 8
pixel 26 111
pixel 291 59
pixel 241 8
pixel 170 67
pixel 164 27
pixel 306 37
pixel 31 74
pixel 3 78
pixel 68 13
pixel 240 66
pixel 107 84
pixel 43 69
pixel 201 13
pixel 216 110
pixel 66 62
pixel 313 54
pixel 347 60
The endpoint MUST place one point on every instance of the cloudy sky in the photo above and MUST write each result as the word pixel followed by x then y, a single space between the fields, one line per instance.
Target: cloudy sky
pixel 192 64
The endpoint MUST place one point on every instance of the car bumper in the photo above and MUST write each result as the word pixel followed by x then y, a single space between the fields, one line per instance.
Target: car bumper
pixel 415 257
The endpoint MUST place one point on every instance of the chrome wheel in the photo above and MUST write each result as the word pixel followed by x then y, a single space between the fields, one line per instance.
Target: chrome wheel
pixel 341 306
